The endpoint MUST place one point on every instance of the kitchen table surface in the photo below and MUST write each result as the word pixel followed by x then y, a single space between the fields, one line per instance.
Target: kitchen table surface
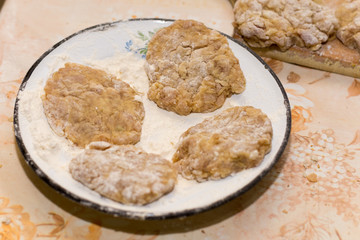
pixel 313 192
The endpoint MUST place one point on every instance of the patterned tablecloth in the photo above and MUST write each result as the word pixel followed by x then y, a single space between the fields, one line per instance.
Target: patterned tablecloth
pixel 313 192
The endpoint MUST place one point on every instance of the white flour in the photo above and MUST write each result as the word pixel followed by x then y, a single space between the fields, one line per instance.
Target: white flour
pixel 160 133
pixel 161 129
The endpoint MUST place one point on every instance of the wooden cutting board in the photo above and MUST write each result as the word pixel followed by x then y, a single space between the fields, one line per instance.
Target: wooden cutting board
pixel 333 56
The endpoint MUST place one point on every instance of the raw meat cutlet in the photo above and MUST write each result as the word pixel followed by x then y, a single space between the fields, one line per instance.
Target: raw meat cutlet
pixel 124 173
pixel 85 105
pixel 191 68
pixel 236 139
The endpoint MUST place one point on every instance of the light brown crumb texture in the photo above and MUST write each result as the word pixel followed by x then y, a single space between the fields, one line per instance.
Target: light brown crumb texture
pixel 124 173
pixel 85 105
pixel 191 68
pixel 236 139
pixel 348 14
pixel 284 23
pixel 312 177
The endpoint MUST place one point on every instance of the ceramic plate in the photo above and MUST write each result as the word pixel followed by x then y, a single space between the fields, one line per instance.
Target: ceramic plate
pixel 100 43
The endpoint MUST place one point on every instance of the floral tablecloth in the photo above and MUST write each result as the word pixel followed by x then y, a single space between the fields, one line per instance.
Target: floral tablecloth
pixel 313 192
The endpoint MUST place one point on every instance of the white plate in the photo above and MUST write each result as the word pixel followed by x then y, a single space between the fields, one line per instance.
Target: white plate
pixel 263 91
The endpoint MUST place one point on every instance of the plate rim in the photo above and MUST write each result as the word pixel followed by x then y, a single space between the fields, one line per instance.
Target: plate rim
pixel 138 215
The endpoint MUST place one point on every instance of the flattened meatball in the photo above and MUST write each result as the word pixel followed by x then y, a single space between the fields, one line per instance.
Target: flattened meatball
pixel 236 139
pixel 191 68
pixel 85 105
pixel 124 173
